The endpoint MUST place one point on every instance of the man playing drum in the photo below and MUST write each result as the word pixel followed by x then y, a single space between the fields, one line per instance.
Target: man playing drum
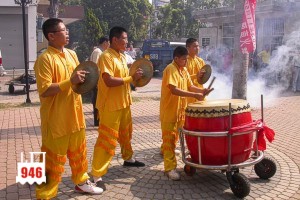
pixel 113 103
pixel 176 86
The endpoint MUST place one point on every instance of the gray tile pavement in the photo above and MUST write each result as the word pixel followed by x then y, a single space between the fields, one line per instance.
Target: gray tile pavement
pixel 20 132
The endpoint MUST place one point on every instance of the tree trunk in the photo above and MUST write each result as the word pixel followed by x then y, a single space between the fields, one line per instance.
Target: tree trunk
pixel 240 61
pixel 53 9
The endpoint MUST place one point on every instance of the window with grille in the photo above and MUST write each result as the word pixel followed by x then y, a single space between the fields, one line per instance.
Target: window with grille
pixel 205 42
pixel 228 35
pixel 228 42
pixel 228 29
pixel 273 32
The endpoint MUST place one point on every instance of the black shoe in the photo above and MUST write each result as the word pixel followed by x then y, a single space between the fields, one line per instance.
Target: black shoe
pixel 101 184
pixel 135 164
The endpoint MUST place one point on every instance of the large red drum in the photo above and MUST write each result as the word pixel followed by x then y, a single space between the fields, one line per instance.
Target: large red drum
pixel 213 116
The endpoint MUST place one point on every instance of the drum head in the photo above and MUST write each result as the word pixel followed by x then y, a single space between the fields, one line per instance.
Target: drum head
pixel 217 108
pixel 147 67
pixel 205 76
pixel 91 79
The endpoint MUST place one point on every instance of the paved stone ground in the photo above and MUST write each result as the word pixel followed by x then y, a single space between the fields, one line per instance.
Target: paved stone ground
pixel 20 132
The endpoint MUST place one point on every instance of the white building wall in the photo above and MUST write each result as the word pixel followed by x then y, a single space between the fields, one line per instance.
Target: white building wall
pixel 32 42
pixel 11 34
pixel 214 33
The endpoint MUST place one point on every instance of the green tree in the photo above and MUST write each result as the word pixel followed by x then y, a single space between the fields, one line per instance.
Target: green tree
pixel 75 33
pixel 134 15
pixel 176 20
pixel 100 16
pixel 70 2
pixel 91 33
pixel 170 23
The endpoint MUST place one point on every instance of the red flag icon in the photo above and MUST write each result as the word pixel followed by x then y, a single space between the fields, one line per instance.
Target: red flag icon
pixel 0 58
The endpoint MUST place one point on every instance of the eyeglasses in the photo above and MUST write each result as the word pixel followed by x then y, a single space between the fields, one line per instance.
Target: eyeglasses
pixel 121 38
pixel 66 30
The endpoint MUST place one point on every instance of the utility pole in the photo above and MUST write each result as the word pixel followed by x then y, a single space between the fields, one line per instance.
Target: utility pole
pixel 53 9
pixel 23 3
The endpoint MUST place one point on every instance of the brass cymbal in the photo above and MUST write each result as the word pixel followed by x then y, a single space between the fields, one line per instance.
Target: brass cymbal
pixel 147 67
pixel 206 75
pixel 91 79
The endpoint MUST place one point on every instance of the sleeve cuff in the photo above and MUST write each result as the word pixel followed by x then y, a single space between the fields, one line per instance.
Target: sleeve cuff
pixel 66 84
pixel 193 76
pixel 128 79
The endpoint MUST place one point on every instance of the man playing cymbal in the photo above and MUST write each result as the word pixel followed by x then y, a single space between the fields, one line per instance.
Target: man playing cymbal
pixel 113 102
pixel 194 64
pixel 62 118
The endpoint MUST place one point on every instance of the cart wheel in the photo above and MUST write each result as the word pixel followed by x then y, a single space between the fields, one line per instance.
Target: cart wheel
pixel 189 170
pixel 11 89
pixel 240 185
pixel 265 169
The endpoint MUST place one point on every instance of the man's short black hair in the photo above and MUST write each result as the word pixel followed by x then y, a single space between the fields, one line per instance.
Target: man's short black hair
pixel 50 25
pixel 180 51
pixel 116 32
pixel 267 46
pixel 190 41
pixel 103 39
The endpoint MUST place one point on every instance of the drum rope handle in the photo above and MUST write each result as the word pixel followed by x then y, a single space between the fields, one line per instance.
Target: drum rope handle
pixel 262 130
pixel 253 126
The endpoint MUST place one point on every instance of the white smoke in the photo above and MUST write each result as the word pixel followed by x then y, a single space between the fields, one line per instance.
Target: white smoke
pixel 271 82
pixel 223 90
pixel 222 86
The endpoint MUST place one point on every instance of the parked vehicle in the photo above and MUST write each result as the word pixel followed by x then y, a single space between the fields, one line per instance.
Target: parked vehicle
pixel 159 52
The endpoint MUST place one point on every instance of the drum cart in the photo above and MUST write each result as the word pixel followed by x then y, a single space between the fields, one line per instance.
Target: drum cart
pixel 264 167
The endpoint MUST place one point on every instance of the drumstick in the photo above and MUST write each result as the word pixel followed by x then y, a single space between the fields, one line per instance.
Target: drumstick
pixel 205 94
pixel 212 81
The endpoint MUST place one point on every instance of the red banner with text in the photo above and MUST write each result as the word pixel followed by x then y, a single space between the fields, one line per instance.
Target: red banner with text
pixel 248 38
